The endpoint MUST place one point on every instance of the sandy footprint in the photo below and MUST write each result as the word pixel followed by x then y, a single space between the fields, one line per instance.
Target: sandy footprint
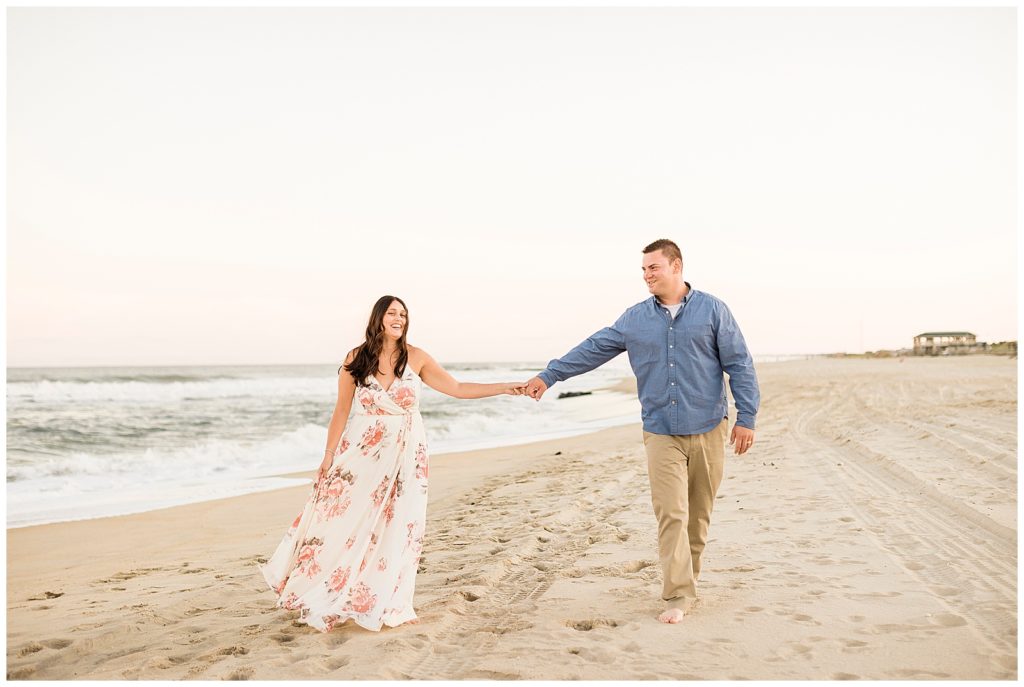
pixel 637 566
pixel 948 620
pixel 804 618
pixel 21 673
pixel 588 625
pixel 244 673
pixel 914 673
pixel 282 638
pixel 30 648
pixel 593 655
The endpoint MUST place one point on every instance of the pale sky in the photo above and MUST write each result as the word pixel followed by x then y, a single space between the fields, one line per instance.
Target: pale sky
pixel 220 186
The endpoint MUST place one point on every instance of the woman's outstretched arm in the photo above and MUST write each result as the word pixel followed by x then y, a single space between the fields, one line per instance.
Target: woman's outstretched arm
pixel 438 378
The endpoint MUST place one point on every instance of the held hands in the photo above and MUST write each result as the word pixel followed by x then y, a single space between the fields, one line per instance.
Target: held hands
pixel 743 438
pixel 514 389
pixel 535 388
pixel 522 388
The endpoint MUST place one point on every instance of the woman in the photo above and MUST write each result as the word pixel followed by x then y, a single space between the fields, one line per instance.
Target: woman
pixel 353 551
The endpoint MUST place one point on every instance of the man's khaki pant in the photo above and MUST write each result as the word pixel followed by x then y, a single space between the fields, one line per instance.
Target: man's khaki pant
pixel 685 472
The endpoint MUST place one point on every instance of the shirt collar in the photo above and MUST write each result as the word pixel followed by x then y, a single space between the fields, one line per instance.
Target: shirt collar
pixel 686 299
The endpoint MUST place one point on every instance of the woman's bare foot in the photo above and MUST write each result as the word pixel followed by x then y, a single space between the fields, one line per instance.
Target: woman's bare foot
pixel 672 616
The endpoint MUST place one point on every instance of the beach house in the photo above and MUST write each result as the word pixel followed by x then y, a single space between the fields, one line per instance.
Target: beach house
pixel 944 343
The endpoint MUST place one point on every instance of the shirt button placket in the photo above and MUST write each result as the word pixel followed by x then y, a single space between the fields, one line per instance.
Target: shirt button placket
pixel 673 389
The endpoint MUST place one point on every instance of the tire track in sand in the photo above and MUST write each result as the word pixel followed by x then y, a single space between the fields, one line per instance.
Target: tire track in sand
pixel 930 538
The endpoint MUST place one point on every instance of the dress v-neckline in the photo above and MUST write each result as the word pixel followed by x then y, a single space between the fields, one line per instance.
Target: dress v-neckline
pixel 390 386
pixel 396 380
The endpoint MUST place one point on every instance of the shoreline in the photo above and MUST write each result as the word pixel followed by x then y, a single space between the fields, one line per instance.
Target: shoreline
pixel 598 410
pixel 472 464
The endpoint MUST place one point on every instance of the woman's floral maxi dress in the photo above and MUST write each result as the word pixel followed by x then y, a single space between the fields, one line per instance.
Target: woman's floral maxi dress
pixel 353 551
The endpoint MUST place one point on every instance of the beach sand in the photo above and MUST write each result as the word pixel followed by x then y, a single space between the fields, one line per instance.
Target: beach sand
pixel 870 533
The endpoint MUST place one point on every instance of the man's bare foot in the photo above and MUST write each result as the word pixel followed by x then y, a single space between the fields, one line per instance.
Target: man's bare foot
pixel 672 616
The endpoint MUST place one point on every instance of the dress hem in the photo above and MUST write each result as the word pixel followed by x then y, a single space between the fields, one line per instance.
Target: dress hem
pixel 342 617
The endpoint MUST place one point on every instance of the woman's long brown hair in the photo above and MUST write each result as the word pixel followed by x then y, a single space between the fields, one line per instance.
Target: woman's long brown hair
pixel 367 356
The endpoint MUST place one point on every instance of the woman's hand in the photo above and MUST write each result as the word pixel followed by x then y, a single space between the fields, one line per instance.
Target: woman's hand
pixel 324 466
pixel 514 389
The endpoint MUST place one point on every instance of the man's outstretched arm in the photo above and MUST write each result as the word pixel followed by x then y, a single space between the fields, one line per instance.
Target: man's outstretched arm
pixel 596 350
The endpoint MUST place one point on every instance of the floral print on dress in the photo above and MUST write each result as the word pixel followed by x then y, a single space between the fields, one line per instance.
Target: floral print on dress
pixel 308 551
pixel 372 436
pixel 361 599
pixel 339 578
pixel 280 588
pixel 366 398
pixel 396 493
pixel 292 603
pixel 380 491
pixel 413 539
pixel 422 466
pixel 352 552
pixel 333 500
pixel 404 397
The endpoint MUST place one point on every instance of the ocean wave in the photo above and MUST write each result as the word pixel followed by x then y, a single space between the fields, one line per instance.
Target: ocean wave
pixel 300 449
pixel 51 392
pixel 86 446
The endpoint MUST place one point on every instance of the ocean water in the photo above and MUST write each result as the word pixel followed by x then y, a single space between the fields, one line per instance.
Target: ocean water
pixel 94 442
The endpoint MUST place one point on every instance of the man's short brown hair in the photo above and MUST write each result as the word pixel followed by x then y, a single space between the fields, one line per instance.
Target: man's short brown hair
pixel 668 248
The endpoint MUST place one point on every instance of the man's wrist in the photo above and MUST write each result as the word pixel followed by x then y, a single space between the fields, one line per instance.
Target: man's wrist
pixel 745 421
pixel 546 377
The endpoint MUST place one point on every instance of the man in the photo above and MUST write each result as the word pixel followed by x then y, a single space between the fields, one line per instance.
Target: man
pixel 679 342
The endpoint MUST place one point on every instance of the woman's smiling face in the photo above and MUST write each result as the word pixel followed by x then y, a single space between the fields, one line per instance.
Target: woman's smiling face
pixel 395 320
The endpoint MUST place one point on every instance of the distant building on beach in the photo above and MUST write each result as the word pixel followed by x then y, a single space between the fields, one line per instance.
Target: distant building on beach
pixel 939 343
pixel 946 343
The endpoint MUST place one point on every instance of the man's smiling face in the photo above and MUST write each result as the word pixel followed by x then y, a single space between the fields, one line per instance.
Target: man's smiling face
pixel 663 277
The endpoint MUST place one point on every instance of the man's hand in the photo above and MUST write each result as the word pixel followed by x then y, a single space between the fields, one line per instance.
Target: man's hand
pixel 535 388
pixel 742 437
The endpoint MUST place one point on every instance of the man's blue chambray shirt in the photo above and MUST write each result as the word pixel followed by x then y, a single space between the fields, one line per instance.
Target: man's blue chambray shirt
pixel 678 363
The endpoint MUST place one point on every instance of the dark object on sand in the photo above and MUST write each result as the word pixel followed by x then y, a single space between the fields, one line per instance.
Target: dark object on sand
pixel 571 394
